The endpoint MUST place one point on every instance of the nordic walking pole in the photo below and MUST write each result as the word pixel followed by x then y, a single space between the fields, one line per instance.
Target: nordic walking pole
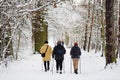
pixel 70 65
pixel 80 65
pixel 52 65
pixel 42 66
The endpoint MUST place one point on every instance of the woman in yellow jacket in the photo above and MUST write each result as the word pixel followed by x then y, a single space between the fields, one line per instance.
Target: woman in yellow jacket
pixel 48 55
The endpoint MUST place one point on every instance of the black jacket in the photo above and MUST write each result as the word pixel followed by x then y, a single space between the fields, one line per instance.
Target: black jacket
pixel 56 54
pixel 75 52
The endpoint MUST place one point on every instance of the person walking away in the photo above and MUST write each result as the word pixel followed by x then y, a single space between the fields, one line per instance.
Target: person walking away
pixel 75 54
pixel 48 55
pixel 58 55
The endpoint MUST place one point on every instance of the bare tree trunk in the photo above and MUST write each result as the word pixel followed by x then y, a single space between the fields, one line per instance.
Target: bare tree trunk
pixel 1 42
pixel 89 43
pixel 90 33
pixel 86 27
pixel 110 42
pixel 17 49
pixel 85 42
pixel 97 33
pixel 119 33
pixel 116 24
pixel 103 28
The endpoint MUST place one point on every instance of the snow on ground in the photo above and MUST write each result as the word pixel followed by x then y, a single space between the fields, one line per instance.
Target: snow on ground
pixel 92 68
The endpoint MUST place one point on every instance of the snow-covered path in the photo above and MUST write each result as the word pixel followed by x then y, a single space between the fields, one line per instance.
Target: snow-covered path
pixel 31 69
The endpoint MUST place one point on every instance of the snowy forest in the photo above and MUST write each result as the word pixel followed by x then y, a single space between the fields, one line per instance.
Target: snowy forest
pixel 26 24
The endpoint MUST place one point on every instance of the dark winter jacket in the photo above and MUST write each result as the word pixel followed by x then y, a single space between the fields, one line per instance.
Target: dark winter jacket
pixel 58 52
pixel 75 52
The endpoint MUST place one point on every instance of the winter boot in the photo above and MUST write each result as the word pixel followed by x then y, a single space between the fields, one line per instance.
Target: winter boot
pixel 60 72
pixel 56 71
pixel 48 69
pixel 76 71
pixel 45 70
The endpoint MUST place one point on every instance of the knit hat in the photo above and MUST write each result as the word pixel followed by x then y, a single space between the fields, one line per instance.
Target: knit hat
pixel 75 43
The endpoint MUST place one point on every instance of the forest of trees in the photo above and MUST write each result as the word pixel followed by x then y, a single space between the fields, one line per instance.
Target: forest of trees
pixel 100 27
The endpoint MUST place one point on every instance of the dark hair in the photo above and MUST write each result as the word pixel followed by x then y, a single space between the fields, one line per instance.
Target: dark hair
pixel 59 42
pixel 46 42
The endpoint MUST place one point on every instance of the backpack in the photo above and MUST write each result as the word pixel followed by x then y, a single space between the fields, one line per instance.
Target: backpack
pixel 60 52
pixel 76 51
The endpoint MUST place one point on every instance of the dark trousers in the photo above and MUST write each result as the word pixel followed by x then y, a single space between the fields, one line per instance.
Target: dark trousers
pixel 46 65
pixel 59 64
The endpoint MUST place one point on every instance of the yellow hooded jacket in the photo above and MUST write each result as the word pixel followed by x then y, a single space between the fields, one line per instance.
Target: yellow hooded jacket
pixel 48 52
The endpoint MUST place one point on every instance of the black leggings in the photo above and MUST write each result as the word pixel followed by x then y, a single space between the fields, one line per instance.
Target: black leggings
pixel 46 65
pixel 59 64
